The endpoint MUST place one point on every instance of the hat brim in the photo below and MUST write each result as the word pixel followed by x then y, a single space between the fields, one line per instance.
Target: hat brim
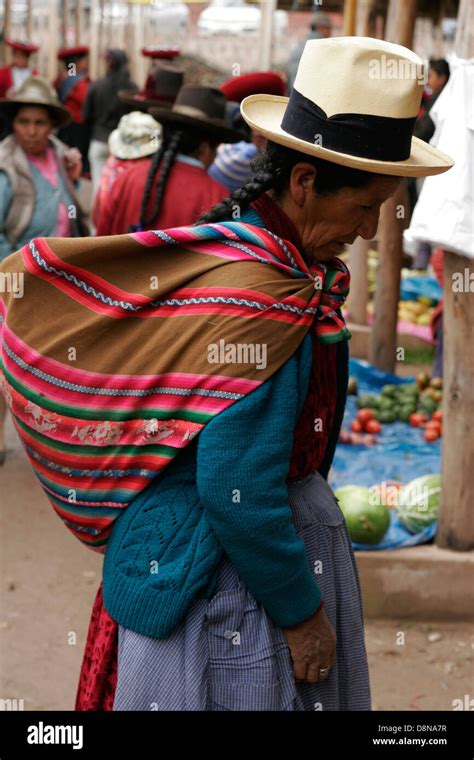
pixel 123 152
pixel 219 130
pixel 142 104
pixel 10 107
pixel 264 114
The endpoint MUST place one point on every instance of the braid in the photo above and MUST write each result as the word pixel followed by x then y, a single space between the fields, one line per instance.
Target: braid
pixel 273 170
pixel 168 161
pixel 155 162
pixel 239 199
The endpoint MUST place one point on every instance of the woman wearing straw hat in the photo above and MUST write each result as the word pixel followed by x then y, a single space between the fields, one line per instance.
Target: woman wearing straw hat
pixel 229 579
pixel 137 137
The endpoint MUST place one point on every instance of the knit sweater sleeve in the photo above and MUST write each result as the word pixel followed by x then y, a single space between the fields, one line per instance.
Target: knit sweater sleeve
pixel 242 463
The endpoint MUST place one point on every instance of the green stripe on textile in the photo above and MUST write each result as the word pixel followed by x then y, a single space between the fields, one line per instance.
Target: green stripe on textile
pixel 99 451
pixel 68 410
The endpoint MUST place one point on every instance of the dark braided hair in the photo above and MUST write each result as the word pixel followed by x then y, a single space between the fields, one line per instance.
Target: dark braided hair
pixel 272 170
pixel 187 142
pixel 166 155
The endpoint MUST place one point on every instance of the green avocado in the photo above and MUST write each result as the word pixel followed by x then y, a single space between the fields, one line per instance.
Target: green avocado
pixel 386 415
pixel 368 401
pixel 389 390
pixel 406 412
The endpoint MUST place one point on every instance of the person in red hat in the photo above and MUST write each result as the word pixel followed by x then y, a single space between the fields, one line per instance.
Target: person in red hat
pixel 13 75
pixel 156 54
pixel 232 165
pixel 72 86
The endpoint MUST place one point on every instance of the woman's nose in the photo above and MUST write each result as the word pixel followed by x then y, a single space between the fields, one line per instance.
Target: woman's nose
pixel 368 227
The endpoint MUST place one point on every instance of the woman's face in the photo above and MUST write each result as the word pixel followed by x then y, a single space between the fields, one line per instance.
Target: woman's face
pixel 32 126
pixel 326 223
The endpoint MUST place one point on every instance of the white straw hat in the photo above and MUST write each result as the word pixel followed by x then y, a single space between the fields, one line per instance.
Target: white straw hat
pixel 354 102
pixel 137 135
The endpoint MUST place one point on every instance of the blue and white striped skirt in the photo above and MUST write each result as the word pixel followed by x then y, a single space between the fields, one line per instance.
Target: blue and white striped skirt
pixel 227 654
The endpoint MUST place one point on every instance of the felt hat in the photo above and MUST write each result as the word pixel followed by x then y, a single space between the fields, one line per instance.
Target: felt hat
pixel 36 91
pixel 159 51
pixel 137 135
pixel 24 45
pixel 161 89
pixel 238 88
pixel 354 102
pixel 200 107
pixel 72 52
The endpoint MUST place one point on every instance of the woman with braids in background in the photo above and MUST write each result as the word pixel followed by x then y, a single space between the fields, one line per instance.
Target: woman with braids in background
pixel 229 581
pixel 173 188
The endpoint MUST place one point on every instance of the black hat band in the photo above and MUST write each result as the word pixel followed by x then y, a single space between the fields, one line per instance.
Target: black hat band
pixel 381 138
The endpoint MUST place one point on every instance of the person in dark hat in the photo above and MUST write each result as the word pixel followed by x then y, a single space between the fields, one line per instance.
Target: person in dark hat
pixel 13 75
pixel 232 165
pixel 157 55
pixel 173 187
pixel 103 109
pixel 161 88
pixel 72 86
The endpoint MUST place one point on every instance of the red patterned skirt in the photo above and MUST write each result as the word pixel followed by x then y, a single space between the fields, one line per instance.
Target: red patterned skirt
pixel 98 677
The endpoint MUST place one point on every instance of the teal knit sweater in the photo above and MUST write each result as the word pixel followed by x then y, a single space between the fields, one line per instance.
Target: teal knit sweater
pixel 226 492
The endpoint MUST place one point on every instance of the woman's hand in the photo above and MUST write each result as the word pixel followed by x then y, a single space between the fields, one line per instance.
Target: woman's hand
pixel 313 647
pixel 73 164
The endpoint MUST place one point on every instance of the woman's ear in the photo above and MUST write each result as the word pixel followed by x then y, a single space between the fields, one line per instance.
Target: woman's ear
pixel 302 181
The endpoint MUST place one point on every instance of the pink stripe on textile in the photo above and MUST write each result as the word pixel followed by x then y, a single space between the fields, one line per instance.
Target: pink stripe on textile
pixel 119 381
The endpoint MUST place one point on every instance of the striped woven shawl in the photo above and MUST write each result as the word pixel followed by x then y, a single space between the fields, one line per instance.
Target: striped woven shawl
pixel 121 349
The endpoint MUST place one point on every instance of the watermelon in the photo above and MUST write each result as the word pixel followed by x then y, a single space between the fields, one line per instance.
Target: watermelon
pixel 367 522
pixel 418 505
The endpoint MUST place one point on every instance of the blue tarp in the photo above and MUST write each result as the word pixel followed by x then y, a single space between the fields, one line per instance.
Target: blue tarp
pixel 422 285
pixel 402 454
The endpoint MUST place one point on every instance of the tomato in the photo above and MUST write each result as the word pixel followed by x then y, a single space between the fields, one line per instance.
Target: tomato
pixel 433 425
pixel 372 426
pixel 417 419
pixel 356 426
pixel 438 415
pixel 364 415
pixel 431 435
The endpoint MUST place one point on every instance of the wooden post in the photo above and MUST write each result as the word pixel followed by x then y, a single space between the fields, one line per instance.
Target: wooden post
pixel 350 8
pixel 383 338
pixel 65 22
pixel 29 20
pixel 267 8
pixel 78 23
pixel 93 36
pixel 6 28
pixel 359 294
pixel 52 66
pixel 456 520
pixel 382 344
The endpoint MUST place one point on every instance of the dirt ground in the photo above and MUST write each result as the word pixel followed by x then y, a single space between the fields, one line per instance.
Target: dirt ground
pixel 48 582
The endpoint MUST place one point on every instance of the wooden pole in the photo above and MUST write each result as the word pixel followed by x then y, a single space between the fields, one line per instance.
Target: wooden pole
pixel 382 343
pixel 52 41
pixel 93 36
pixel 349 25
pixel 359 294
pixel 267 8
pixel 29 20
pixel 456 520
pixel 6 28
pixel 65 22
pixel 78 23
